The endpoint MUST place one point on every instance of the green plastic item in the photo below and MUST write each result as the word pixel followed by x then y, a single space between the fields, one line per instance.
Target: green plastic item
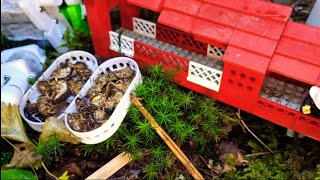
pixel 73 13
pixel 10 174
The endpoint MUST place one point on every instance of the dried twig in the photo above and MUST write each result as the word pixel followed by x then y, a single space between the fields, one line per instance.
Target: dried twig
pixel 167 139
pixel 244 124
pixel 258 154
pixel 45 168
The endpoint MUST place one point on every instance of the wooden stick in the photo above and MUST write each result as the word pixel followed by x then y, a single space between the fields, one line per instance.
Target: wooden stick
pixel 111 167
pixel 167 139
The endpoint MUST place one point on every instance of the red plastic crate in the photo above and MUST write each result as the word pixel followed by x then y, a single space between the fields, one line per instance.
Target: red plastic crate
pixel 294 69
pixel 294 49
pixel 240 87
pixel 176 20
pixel 211 33
pixel 252 43
pixel 189 7
pixel 260 27
pixel 275 112
pixel 307 125
pixel 234 5
pixel 302 32
pixel 249 29
pixel 155 5
pixel 244 59
pixel 153 55
pixel 181 39
pixel 268 10
pixel 219 15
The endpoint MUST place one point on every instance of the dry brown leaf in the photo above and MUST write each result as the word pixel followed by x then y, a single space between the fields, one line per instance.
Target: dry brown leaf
pixel 24 158
pixel 227 168
pixel 53 126
pixel 11 124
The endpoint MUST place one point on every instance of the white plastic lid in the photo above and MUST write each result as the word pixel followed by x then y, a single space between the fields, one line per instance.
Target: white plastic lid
pixel 11 94
pixel 50 2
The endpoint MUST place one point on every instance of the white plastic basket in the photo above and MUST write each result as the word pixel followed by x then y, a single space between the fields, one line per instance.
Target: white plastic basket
pixel 107 129
pixel 33 94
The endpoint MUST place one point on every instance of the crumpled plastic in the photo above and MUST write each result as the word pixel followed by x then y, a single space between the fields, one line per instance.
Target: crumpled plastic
pixel 15 24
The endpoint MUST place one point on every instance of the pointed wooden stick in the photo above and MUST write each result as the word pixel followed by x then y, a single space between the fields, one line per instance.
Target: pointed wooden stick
pixel 111 167
pixel 167 139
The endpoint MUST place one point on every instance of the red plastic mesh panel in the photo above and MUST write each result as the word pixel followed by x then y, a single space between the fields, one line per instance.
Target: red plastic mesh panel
pixel 275 112
pixel 181 39
pixel 151 55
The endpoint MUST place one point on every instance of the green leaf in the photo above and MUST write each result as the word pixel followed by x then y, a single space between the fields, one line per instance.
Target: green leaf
pixel 64 176
pixel 17 174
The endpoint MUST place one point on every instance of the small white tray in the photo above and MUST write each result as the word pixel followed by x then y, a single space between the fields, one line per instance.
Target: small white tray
pixel 107 129
pixel 33 94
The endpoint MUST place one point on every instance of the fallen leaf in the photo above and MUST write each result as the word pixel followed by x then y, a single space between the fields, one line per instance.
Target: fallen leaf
pixel 210 164
pixel 53 126
pixel 227 168
pixel 11 124
pixel 25 157
pixel 226 148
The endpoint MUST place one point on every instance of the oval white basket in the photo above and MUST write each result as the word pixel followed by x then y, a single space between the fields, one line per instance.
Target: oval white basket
pixel 107 129
pixel 33 94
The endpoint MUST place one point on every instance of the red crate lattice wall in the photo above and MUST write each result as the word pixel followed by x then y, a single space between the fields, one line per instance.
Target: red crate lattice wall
pixel 151 55
pixel 180 39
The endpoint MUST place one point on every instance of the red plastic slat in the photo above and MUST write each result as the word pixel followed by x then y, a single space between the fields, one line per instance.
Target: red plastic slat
pixel 294 69
pixel 318 82
pixel 307 125
pixel 261 27
pixel 209 32
pixel 275 113
pixel 190 7
pixel 302 32
pixel 299 50
pixel 236 5
pixel 258 8
pixel 176 20
pixel 154 5
pixel 252 43
pixel 268 10
pixel 246 59
pixel 219 15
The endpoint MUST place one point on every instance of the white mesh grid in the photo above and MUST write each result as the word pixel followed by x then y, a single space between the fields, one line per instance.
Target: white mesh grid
pixel 144 27
pixel 204 76
pixel 215 52
pixel 127 44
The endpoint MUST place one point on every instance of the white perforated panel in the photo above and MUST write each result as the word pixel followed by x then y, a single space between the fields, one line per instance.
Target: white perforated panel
pixel 215 52
pixel 204 76
pixel 127 44
pixel 144 27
